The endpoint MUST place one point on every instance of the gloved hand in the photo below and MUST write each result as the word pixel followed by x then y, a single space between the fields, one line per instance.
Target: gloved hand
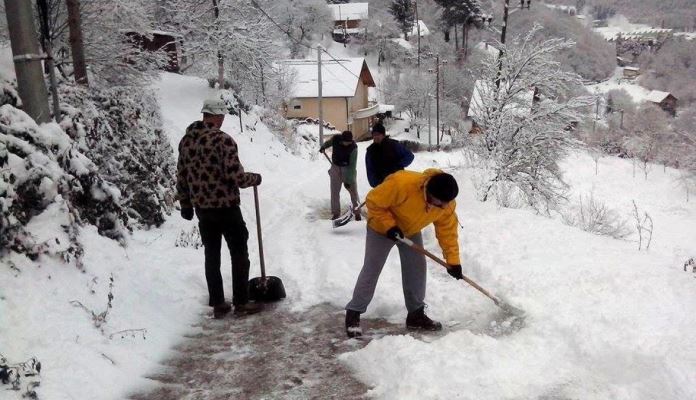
pixel 187 213
pixel 394 233
pixel 322 150
pixel 258 179
pixel 455 271
pixel 346 185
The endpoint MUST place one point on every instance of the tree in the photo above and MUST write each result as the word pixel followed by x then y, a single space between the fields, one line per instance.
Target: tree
pixel 240 34
pixel 464 12
pixel 302 19
pixel 524 121
pixel 403 12
pixel 648 130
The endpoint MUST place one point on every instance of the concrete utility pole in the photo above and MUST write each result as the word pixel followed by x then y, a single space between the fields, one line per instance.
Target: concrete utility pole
pixel 48 48
pixel 77 47
pixel 27 60
pixel 437 101
pixel 502 40
pixel 321 108
pixel 419 33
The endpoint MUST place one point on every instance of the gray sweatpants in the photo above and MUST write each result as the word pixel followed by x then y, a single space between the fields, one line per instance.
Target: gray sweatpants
pixel 337 177
pixel 413 276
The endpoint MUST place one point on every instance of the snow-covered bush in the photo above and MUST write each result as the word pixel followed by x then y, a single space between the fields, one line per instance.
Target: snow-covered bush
pixel 119 130
pixel 189 238
pixel 593 216
pixel 106 164
pixel 45 178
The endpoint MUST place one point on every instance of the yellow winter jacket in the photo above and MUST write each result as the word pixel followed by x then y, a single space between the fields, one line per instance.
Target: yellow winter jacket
pixel 401 201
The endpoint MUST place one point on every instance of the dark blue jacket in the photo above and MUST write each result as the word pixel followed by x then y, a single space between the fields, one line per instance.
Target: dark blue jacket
pixel 385 158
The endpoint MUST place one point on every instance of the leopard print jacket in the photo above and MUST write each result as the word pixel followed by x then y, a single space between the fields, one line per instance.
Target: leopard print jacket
pixel 209 173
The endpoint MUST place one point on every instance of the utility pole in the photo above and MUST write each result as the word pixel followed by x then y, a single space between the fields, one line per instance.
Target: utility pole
pixel 27 60
pixel 502 40
pixel 77 47
pixel 48 48
pixel 319 96
pixel 437 101
pixel 220 57
pixel 419 33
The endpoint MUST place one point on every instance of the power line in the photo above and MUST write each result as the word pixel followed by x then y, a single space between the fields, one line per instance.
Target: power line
pixel 255 4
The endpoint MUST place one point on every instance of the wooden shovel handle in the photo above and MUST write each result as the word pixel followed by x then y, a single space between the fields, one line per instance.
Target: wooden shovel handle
pixel 435 258
pixel 258 232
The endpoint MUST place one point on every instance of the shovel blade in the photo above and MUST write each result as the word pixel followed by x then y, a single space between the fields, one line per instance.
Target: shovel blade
pixel 266 289
pixel 343 219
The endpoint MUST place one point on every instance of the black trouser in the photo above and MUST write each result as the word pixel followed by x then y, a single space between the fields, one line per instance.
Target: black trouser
pixel 214 223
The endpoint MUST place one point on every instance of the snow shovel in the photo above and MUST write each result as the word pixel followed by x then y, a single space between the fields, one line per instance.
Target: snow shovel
pixel 264 288
pixel 498 302
pixel 347 216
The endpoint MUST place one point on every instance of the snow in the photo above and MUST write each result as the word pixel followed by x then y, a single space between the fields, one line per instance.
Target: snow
pixel 619 25
pixel 349 11
pixel 639 94
pixel 604 320
pixel 339 77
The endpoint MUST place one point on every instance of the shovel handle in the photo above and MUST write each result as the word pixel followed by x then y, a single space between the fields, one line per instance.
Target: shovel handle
pixel 258 232
pixel 327 157
pixel 435 258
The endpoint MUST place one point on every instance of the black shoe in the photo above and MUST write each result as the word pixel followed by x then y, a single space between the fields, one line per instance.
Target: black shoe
pixel 247 309
pixel 358 217
pixel 220 310
pixel 353 324
pixel 418 320
pixel 334 216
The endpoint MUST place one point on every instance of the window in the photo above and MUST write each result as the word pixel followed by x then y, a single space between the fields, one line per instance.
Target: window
pixel 297 107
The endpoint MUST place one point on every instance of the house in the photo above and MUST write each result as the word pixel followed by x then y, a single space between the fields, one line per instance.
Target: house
pixel 631 72
pixel 345 84
pixel 154 41
pixel 664 100
pixel 347 20
pixel 424 31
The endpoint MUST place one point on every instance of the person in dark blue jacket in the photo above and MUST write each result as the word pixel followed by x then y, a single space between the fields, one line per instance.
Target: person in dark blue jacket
pixel 385 156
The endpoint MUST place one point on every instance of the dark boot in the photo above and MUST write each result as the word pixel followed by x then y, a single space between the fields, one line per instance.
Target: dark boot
pixel 418 320
pixel 247 309
pixel 358 217
pixel 334 216
pixel 220 310
pixel 353 324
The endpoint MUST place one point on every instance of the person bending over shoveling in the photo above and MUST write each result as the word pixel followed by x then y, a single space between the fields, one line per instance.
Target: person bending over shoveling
pixel 344 159
pixel 404 204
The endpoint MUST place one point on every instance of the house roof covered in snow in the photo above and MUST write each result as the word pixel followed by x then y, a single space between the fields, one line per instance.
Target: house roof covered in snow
pixel 424 31
pixel 488 48
pixel 656 96
pixel 339 77
pixel 484 92
pixel 349 11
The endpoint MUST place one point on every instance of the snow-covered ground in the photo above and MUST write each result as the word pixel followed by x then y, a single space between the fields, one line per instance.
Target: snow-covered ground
pixel 604 320
pixel 638 93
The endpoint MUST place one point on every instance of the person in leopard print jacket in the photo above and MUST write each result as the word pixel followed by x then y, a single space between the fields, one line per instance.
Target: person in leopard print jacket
pixel 209 176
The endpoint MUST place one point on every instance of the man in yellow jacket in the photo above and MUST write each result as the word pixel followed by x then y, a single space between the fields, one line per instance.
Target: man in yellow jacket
pixel 404 204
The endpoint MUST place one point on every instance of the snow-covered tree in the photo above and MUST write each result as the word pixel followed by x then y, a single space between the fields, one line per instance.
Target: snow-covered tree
pixel 403 12
pixel 223 37
pixel 647 131
pixel 524 107
pixel 304 20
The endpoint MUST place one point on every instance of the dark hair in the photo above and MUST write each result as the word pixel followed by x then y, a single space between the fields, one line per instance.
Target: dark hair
pixel 378 128
pixel 347 136
pixel 443 187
